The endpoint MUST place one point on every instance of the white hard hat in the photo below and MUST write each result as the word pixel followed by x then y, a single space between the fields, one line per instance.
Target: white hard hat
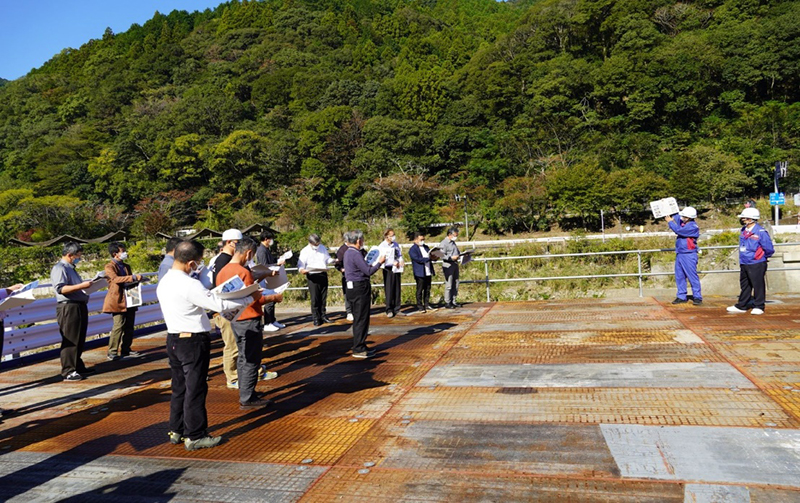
pixel 232 235
pixel 688 212
pixel 750 213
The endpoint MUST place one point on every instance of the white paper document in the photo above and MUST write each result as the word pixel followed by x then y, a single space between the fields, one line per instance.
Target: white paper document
pixel 275 282
pixel 97 284
pixel 664 207
pixel 20 298
pixel 234 289
pixel 133 294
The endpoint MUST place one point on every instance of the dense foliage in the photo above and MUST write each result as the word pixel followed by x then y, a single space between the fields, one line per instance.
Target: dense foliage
pixel 311 111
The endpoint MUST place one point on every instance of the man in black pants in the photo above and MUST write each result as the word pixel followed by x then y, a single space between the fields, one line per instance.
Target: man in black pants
pixel 313 262
pixel 359 292
pixel 72 314
pixel 184 301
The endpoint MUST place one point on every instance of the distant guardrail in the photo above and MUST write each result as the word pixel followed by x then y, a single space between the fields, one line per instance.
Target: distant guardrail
pixel 34 326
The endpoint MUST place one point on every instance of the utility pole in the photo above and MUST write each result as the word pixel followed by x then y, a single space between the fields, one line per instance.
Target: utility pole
pixel 466 218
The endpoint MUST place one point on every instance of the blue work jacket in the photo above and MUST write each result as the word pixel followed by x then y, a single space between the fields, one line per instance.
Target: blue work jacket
pixel 755 245
pixel 688 232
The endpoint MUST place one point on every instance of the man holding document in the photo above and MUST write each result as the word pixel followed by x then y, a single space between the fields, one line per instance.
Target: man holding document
pixel 313 262
pixel 184 301
pixel 264 257
pixel 359 291
pixel 119 277
pixel 72 314
pixel 247 327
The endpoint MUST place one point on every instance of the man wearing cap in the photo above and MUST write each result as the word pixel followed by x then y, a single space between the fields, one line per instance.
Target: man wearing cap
pixel 755 247
pixel 684 226
pixel 230 352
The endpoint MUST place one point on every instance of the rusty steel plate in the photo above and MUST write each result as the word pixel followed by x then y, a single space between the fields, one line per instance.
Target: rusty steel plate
pixel 579 326
pixel 347 484
pixel 649 406
pixel 762 352
pixel 532 353
pixel 547 449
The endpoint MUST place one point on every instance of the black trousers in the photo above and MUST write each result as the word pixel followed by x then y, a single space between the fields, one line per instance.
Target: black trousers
pixel 188 362
pixel 348 308
pixel 423 290
pixel 360 297
pixel 391 286
pixel 2 337
pixel 318 290
pixel 73 320
pixel 269 313
pixel 752 281
pixel 249 340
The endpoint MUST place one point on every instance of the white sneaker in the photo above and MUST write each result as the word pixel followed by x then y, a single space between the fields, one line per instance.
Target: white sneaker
pixel 734 309
pixel 270 328
pixel 349 316
pixel 757 311
pixel 278 324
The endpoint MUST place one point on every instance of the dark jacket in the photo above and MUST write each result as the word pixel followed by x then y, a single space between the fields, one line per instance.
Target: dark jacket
pixel 418 261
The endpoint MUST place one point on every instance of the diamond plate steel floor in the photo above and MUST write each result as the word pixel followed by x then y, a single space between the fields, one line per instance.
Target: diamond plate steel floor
pixel 578 400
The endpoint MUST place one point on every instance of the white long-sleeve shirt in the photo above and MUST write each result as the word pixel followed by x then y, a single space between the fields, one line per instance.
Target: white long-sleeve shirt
pixel 392 253
pixel 314 259
pixel 184 301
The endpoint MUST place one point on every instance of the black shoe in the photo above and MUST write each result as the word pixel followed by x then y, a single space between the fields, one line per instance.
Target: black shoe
pixel 449 306
pixel 325 319
pixel 255 404
pixel 680 301
pixel 317 323
pixel 697 302
pixel 88 371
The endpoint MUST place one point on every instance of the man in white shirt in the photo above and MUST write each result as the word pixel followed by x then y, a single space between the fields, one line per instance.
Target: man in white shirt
pixel 392 272
pixel 183 302
pixel 313 262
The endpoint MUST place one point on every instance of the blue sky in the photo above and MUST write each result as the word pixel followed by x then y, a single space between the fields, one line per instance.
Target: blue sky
pixel 33 31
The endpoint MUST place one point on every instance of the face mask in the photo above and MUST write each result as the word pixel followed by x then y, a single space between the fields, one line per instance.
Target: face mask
pixel 453 238
pixel 315 248
pixel 422 243
pixel 123 255
pixel 393 239
pixel 199 267
pixel 75 261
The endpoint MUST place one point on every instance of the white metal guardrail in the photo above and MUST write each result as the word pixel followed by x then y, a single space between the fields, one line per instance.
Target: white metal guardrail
pixel 34 325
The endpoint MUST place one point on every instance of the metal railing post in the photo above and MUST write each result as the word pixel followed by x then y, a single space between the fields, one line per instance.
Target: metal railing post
pixel 486 269
pixel 641 290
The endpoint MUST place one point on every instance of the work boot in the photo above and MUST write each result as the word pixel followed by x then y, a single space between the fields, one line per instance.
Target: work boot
pixel 697 302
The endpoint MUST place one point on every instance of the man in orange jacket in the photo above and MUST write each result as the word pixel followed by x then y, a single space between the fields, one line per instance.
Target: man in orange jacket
pixel 118 273
pixel 248 326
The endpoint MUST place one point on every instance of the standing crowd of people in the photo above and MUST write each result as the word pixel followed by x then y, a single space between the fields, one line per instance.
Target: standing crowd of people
pixel 186 298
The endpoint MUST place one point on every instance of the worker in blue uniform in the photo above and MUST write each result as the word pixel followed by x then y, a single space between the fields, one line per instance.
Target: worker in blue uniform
pixel 755 247
pixel 683 224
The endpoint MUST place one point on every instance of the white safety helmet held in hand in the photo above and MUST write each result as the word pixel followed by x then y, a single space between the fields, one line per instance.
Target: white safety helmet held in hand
pixel 751 213
pixel 688 212
pixel 231 235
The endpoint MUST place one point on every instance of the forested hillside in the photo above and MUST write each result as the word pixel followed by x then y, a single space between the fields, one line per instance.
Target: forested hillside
pixel 311 111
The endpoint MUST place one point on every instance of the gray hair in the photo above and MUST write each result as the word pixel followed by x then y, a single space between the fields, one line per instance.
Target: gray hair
pixel 352 237
pixel 314 239
pixel 71 248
